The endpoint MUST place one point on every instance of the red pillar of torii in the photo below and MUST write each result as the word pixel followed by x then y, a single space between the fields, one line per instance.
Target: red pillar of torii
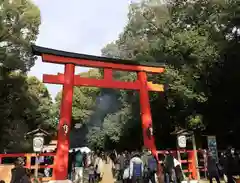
pixel 69 80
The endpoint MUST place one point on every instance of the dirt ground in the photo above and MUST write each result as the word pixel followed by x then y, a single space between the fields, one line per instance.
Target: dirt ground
pixel 107 175
pixel 5 172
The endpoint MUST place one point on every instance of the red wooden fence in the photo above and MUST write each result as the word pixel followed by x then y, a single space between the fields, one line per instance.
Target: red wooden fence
pixel 27 157
pixel 187 161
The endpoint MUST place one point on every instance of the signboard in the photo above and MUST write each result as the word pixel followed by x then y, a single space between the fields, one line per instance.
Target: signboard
pixel 182 141
pixel 65 129
pixel 38 143
pixel 212 146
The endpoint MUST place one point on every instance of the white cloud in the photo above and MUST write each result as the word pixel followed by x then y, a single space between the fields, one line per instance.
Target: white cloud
pixel 82 26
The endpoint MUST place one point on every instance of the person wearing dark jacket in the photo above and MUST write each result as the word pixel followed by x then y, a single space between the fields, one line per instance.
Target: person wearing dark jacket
pixel 121 161
pixel 84 159
pixel 178 171
pixel 19 173
pixel 71 157
pixel 152 167
pixel 212 168
pixel 232 164
pixel 78 167
pixel 169 167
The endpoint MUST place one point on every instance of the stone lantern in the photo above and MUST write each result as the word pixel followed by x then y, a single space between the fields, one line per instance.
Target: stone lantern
pixel 38 136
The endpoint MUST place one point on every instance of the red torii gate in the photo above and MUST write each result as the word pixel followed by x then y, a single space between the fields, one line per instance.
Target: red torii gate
pixel 69 80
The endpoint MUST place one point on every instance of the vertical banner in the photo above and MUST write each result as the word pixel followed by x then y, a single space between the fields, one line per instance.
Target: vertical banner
pixel 212 146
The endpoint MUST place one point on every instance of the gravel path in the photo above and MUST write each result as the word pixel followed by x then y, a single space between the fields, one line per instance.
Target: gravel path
pixel 107 176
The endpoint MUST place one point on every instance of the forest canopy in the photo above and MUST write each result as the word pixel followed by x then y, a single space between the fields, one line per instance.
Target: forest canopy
pixel 199 42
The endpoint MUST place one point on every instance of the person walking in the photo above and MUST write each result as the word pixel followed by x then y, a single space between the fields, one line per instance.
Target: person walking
pixel 99 165
pixel 212 168
pixel 78 167
pixel 91 174
pixel 169 168
pixel 19 173
pixel 232 164
pixel 144 158
pixel 178 171
pixel 121 161
pixel 136 169
pixel 152 167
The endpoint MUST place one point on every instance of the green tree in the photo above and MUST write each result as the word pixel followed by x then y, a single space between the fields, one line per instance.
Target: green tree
pixel 44 113
pixel 19 22
pixel 25 105
pixel 24 101
pixel 198 41
pixel 92 108
pixel 84 101
pixel 191 38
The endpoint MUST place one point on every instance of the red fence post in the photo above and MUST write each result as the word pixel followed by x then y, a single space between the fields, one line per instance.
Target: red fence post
pixel 28 161
pixel 192 165
pixel 60 170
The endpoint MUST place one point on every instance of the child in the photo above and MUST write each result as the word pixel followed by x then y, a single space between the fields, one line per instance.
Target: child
pixel 126 174
pixel 91 173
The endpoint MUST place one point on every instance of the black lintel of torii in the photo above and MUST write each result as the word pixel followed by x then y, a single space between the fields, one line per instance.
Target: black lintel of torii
pixel 38 50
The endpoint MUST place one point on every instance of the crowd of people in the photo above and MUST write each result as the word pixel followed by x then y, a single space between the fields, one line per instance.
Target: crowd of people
pixel 227 167
pixel 142 167
pixel 91 163
pixel 126 167
pixel 136 167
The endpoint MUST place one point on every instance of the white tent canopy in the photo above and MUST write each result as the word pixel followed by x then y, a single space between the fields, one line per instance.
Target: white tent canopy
pixel 82 149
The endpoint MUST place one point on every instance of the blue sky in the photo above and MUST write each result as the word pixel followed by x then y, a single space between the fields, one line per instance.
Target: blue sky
pixel 82 26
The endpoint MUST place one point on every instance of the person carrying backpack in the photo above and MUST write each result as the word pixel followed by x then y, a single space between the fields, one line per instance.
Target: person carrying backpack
pixel 78 167
pixel 136 169
pixel 152 167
